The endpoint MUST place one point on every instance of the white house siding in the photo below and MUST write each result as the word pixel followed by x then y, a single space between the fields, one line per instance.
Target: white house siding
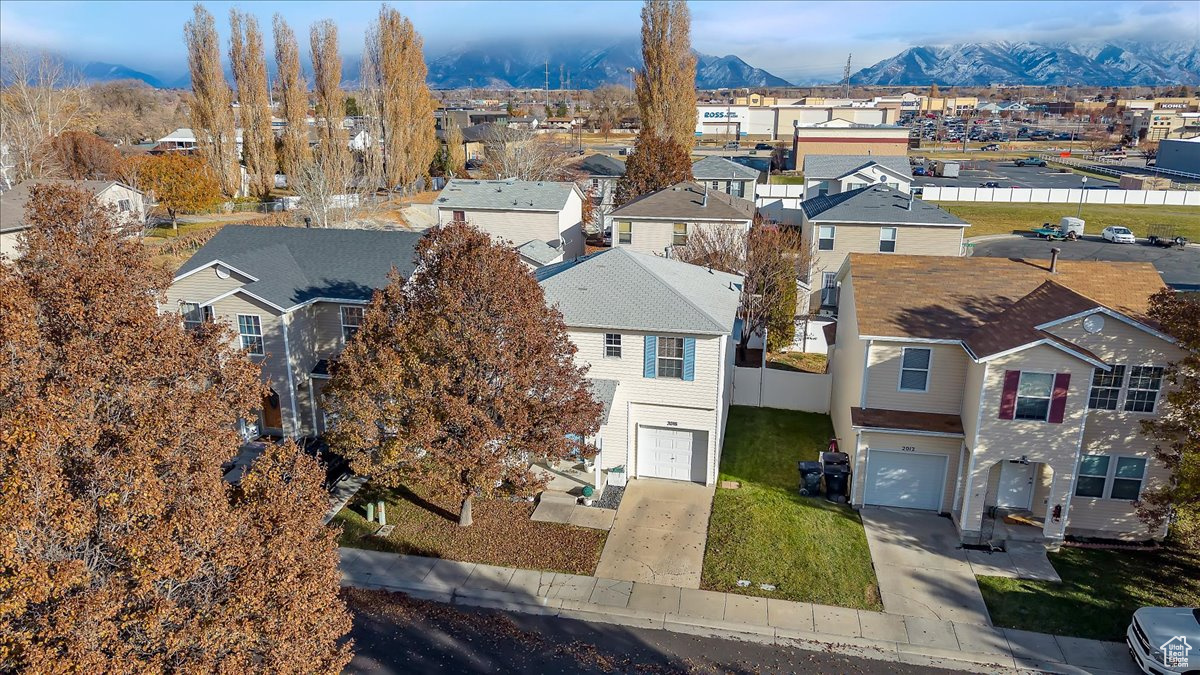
pixel 570 227
pixel 868 176
pixel 653 402
pixel 947 372
pixel 136 214
pixel 656 236
pixel 930 445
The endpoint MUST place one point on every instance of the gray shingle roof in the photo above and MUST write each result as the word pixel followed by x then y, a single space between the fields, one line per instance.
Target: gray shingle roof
pixel 719 168
pixel 622 289
pixel 601 165
pixel 12 202
pixel 604 391
pixel 507 195
pixel 539 251
pixel 686 201
pixel 836 166
pixel 294 265
pixel 877 204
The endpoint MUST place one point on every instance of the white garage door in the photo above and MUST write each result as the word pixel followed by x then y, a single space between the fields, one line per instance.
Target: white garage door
pixel 671 453
pixel 905 479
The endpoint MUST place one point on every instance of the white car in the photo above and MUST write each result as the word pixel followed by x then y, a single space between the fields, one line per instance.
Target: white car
pixel 1118 235
pixel 1160 639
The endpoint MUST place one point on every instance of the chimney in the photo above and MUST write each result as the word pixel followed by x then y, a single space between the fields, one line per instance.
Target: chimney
pixel 1054 259
pixel 704 199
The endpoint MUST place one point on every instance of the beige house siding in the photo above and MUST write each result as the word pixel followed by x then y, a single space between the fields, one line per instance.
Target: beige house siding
pixel 1119 343
pixel 653 402
pixel 656 236
pixel 274 363
pixel 570 227
pixel 847 365
pixel 931 445
pixel 202 286
pixel 973 380
pixel 514 227
pixel 863 238
pixel 947 374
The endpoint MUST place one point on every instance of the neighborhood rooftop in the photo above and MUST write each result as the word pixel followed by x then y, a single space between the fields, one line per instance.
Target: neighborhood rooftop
pixel 838 166
pixel 539 251
pixel 509 195
pixel 687 201
pixel 294 265
pixel 12 202
pixel 601 165
pixel 877 204
pixel 934 297
pixel 627 290
pixel 719 168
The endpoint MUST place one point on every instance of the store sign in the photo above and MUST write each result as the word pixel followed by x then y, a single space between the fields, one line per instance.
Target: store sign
pixel 1172 106
pixel 720 115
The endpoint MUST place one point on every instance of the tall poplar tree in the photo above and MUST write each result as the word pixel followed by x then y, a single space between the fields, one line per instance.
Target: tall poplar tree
pixel 294 152
pixel 332 147
pixel 254 103
pixel 666 85
pixel 211 106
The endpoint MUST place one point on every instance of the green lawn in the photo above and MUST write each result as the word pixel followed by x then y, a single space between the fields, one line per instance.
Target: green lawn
pixel 765 532
pixel 781 179
pixel 1001 218
pixel 1099 592
pixel 798 362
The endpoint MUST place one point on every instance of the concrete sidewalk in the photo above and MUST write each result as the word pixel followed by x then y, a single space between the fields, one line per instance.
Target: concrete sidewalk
pixel 906 639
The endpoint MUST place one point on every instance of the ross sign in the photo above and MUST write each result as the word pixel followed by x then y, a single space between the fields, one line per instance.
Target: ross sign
pixel 720 115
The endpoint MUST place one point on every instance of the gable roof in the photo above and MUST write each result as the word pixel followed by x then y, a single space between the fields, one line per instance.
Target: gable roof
pixel 687 201
pixel 719 168
pixel 837 166
pixel 877 204
pixel 506 195
pixel 294 265
pixel 627 290
pixel 979 300
pixel 12 202
pixel 601 165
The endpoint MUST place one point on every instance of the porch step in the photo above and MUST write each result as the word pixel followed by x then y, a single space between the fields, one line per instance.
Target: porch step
pixel 557 497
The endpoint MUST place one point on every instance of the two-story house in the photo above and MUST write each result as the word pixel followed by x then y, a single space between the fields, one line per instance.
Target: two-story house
pixel 657 222
pixel 984 387
pixel 657 335
pixel 872 219
pixel 723 175
pixel 518 211
pixel 129 206
pixel 600 175
pixel 294 296
pixel 831 174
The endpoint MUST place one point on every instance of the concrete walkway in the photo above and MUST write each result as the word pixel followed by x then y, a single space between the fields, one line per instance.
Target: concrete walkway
pixel 907 639
pixel 659 533
pixel 922 570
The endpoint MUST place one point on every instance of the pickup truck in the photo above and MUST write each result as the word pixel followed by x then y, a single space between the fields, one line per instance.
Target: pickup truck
pixel 1030 161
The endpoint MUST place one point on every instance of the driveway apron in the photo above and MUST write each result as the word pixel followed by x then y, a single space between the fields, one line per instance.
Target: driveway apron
pixel 659 533
pixel 922 570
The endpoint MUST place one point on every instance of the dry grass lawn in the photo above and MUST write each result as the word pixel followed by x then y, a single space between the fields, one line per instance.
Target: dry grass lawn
pixel 1001 218
pixel 799 362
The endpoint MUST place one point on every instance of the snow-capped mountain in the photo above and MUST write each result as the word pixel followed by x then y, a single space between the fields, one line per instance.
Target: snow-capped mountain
pixel 1118 63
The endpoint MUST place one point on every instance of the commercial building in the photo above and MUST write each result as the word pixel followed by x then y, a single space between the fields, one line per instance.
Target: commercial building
pixel 838 137
pixel 1179 155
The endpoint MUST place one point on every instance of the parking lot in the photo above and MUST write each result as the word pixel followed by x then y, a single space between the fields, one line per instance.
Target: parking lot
pixel 973 173
pixel 1180 268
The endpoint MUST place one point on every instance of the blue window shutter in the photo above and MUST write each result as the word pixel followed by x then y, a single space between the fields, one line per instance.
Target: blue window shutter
pixel 689 359
pixel 651 356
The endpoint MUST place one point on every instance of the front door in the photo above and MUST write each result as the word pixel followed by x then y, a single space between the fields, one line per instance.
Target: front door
pixel 272 413
pixel 1016 485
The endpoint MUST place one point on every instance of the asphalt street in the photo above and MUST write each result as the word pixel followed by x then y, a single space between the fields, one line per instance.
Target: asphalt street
pixel 396 634
pixel 1180 268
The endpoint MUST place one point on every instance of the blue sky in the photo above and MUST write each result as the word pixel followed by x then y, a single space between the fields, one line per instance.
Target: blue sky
pixel 795 40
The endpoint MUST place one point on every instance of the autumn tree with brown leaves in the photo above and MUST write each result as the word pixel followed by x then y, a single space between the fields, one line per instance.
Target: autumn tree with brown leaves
pixel 1177 428
pixel 254 103
pixel 294 152
pixel 666 85
pixel 331 101
pixel 122 548
pixel 460 376
pixel 179 183
pixel 84 156
pixel 211 105
pixel 654 164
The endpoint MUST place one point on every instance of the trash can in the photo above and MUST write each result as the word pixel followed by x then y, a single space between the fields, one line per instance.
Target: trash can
pixel 834 459
pixel 837 479
pixel 810 478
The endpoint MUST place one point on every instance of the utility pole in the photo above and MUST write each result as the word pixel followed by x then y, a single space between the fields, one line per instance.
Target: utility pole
pixel 846 77
pixel 547 79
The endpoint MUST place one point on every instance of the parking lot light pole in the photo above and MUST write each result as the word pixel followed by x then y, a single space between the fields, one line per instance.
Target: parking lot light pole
pixel 1082 188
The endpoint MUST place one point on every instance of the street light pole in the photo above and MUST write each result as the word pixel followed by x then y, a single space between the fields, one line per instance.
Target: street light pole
pixel 1082 189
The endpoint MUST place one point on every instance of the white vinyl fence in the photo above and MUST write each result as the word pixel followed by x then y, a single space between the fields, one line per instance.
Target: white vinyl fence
pixel 1060 196
pixel 770 388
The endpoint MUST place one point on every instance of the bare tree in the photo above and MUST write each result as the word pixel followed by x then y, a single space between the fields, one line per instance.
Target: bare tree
pixel 250 72
pixel 332 145
pixel 666 86
pixel 321 186
pixel 293 94
pixel 211 107
pixel 525 155
pixel 129 111
pixel 41 101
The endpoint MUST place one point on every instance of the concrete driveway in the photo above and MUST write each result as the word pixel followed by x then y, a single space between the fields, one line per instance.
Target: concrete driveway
pixel 922 571
pixel 659 533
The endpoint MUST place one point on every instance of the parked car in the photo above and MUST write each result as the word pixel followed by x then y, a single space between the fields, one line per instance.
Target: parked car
pixel 1157 638
pixel 1030 161
pixel 990 147
pixel 764 146
pixel 920 171
pixel 733 145
pixel 989 184
pixel 1118 235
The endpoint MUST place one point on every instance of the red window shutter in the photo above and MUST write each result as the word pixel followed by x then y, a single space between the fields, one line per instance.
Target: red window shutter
pixel 1058 400
pixel 1008 400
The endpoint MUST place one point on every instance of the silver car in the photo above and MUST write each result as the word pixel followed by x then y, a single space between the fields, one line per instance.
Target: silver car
pixel 1118 234
pixel 1165 640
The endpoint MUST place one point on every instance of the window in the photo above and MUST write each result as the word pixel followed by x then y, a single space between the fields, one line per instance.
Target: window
pixel 124 205
pixel 716 185
pixel 825 238
pixel 914 368
pixel 1033 396
pixel 194 315
pixel 612 345
pixel 739 188
pixel 856 185
pixel 823 188
pixel 679 234
pixel 250 330
pixel 887 240
pixel 351 321
pixel 1144 383
pixel 1100 477
pixel 460 216
pixel 624 232
pixel 670 357
pixel 1106 388
pixel 595 183
pixel 829 289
